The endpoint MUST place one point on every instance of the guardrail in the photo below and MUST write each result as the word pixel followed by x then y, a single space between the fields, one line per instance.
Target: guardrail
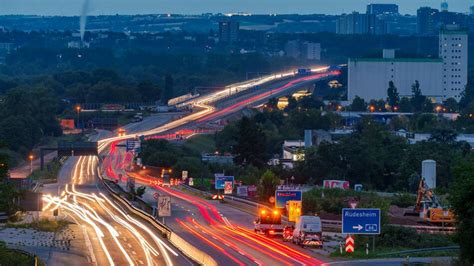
pixel 335 224
pixel 421 250
pixel 185 247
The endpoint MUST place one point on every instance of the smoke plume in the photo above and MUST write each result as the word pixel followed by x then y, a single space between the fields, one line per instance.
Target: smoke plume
pixel 83 22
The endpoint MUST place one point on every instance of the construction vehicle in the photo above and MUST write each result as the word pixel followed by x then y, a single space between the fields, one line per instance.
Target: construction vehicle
pixel 429 208
pixel 269 222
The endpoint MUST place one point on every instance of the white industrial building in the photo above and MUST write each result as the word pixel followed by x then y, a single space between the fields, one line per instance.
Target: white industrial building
pixel 440 78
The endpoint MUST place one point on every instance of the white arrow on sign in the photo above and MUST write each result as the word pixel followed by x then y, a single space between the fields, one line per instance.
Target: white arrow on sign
pixel 358 227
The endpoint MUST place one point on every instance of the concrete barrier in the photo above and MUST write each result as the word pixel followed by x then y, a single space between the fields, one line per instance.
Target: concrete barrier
pixel 191 251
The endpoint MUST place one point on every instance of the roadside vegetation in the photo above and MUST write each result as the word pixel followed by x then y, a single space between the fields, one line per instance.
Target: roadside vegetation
pixel 9 257
pixel 43 224
pixel 394 239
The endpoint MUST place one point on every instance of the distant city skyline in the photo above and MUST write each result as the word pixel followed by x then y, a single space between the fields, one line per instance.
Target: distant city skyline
pixel 129 7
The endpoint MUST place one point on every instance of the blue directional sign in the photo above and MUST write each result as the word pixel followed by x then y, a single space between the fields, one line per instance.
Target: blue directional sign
pixel 361 221
pixel 220 181
pixel 282 196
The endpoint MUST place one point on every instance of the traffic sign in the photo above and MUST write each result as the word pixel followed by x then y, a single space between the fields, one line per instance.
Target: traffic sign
pixel 220 181
pixel 164 206
pixel 282 196
pixel 184 174
pixel 349 244
pixel 361 221
pixel 156 195
pixel 228 187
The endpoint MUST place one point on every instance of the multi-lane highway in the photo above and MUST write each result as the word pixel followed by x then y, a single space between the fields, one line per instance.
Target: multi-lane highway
pixel 116 237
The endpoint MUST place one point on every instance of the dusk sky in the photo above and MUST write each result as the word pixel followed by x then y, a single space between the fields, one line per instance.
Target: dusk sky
pixel 73 7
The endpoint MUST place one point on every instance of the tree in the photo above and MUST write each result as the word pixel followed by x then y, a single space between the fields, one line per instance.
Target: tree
pixel 443 135
pixel 451 105
pixel 393 98
pixel 251 144
pixel 418 99
pixel 405 105
pixel 267 186
pixel 148 91
pixel 358 105
pixel 461 197
pixel 168 91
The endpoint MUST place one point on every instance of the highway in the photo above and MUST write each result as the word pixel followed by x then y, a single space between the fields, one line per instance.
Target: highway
pixel 114 237
pixel 220 231
pixel 117 238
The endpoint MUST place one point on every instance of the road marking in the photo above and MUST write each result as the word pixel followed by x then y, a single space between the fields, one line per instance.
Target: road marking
pixel 130 246
pixel 133 252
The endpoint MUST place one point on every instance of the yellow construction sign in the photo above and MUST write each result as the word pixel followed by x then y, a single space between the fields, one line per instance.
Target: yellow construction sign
pixel 293 208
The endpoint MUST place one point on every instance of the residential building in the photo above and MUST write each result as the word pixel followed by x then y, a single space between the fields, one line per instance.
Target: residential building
pixel 427 20
pixel 379 9
pixel 430 21
pixel 354 23
pixel 305 50
pixel 292 49
pixel 453 49
pixel 228 31
pixel 311 51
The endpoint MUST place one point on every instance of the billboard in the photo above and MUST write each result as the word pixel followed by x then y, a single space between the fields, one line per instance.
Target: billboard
pixel 242 191
pixel 336 184
pixel 220 181
pixel 282 196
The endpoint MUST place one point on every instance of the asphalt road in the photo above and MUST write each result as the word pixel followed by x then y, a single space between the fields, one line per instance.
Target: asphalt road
pixel 113 236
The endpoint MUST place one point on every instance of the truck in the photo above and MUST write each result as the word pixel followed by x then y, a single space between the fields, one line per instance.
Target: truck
pixel 308 232
pixel 269 223
pixel 303 71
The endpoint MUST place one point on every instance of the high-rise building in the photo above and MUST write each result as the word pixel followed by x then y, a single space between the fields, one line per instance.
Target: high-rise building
pixel 228 31
pixel 427 21
pixel 471 9
pixel 453 50
pixel 380 9
pixel 311 51
pixel 355 23
pixel 304 50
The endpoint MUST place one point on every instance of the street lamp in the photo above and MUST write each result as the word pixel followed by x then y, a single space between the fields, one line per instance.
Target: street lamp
pixel 31 157
pixel 78 111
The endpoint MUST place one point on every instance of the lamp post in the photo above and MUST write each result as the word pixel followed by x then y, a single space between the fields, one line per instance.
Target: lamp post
pixel 78 111
pixel 31 157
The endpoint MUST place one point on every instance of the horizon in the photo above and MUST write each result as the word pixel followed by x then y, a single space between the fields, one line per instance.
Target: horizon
pixel 195 7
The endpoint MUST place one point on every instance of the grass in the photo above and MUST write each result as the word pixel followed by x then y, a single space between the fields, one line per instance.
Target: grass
pixel 50 171
pixel 381 253
pixel 201 143
pixel 11 257
pixel 43 224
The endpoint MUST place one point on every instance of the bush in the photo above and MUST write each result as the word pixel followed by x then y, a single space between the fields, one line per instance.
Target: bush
pixel 404 200
pixel 43 224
